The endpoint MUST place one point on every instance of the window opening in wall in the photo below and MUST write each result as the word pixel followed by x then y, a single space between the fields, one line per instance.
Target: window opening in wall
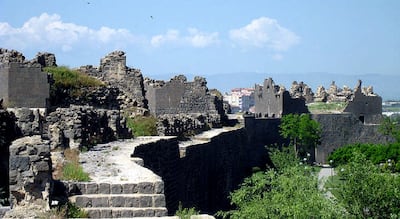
pixel 361 118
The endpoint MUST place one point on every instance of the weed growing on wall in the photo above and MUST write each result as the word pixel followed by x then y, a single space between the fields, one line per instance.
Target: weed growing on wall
pixel 142 125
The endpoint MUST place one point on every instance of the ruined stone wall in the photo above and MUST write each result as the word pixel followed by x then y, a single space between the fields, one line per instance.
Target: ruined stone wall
pixel 272 101
pixel 114 72
pixel 30 172
pixel 23 85
pixel 8 133
pixel 180 96
pixel 367 107
pixel 203 175
pixel 80 126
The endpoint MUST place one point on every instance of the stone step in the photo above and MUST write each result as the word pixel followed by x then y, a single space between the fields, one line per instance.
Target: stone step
pixel 121 201
pixel 78 188
pixel 125 212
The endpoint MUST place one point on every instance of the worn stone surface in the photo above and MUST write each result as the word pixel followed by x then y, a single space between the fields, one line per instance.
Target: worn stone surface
pixel 301 90
pixel 30 161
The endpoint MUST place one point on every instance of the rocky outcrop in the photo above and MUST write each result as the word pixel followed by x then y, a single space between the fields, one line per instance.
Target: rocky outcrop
pixel 301 90
pixel 80 126
pixel 30 172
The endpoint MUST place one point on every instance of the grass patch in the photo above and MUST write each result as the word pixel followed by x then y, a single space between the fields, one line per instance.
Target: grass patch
pixel 321 107
pixel 70 80
pixel 142 125
pixel 72 170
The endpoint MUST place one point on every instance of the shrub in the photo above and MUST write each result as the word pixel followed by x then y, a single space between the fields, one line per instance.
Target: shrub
pixel 74 211
pixel 185 213
pixel 376 153
pixel 142 125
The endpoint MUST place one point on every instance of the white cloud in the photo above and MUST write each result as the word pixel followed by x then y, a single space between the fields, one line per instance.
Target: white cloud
pixel 49 31
pixel 264 32
pixel 194 38
pixel 277 57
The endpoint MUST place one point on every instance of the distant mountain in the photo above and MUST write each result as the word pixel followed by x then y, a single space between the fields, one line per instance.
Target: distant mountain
pixel 387 86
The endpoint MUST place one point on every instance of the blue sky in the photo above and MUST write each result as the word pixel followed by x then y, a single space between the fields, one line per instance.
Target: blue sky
pixel 212 37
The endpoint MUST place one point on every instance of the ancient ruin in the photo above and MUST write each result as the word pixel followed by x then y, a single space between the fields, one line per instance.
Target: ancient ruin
pixel 273 101
pixel 16 75
pixel 148 176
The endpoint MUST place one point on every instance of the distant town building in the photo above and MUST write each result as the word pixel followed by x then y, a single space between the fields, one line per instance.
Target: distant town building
pixel 240 99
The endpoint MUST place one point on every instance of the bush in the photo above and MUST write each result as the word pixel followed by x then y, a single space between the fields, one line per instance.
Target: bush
pixel 185 213
pixel 142 125
pixel 376 153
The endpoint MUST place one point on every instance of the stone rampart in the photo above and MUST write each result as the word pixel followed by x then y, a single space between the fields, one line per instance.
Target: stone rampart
pixel 342 129
pixel 200 173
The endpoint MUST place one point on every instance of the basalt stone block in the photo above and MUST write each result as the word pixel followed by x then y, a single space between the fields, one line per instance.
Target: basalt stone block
pixel 159 201
pixel 83 201
pixel 100 202
pixel 149 212
pixel 104 188
pixel 146 201
pixel 21 163
pixel 138 213
pixel 159 187
pixel 128 188
pixel 146 188
pixel 117 201
pixel 126 213
pixel 94 213
pixel 42 166
pixel 116 189
pixel 160 212
pixel 132 202
pixel 106 213
pixel 92 188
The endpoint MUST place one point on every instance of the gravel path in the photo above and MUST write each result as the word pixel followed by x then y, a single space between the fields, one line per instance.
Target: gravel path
pixel 323 176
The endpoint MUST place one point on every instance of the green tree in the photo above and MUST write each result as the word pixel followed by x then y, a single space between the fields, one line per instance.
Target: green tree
pixel 390 127
pixel 304 133
pixel 368 191
pixel 290 191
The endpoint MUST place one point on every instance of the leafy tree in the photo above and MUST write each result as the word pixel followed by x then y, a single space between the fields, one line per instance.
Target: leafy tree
pixel 303 132
pixel 367 191
pixel 290 191
pixel 390 127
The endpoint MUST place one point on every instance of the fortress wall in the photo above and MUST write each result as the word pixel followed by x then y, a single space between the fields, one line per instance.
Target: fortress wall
pixel 342 129
pixel 27 86
pixel 202 174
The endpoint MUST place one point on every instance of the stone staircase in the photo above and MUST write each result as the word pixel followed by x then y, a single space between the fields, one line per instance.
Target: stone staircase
pixel 112 200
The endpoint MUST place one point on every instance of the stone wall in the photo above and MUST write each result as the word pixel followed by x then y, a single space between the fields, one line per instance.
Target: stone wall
pixel 114 72
pixel 366 106
pixel 342 129
pixel 16 79
pixel 180 96
pixel 272 101
pixel 30 172
pixel 8 133
pixel 83 126
pixel 200 173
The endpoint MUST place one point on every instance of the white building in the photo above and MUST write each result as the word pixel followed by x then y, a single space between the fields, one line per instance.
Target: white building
pixel 240 99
